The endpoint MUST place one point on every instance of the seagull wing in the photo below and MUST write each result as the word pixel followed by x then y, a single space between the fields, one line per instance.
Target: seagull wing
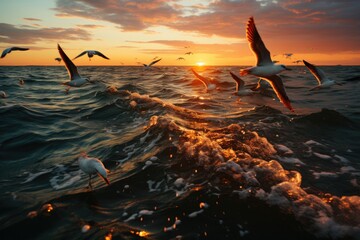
pixel 317 72
pixel 278 87
pixel 101 55
pixel 239 82
pixel 153 62
pixel 204 80
pixel 257 45
pixel 70 66
pixel 6 51
pixel 84 52
pixel 100 169
pixel 19 49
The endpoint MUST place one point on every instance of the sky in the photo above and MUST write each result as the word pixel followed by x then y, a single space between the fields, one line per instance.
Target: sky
pixel 131 32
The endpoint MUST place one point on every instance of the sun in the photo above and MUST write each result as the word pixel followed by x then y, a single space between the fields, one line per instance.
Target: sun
pixel 200 64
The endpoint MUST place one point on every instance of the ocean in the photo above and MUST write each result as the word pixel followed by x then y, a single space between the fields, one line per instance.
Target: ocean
pixel 185 163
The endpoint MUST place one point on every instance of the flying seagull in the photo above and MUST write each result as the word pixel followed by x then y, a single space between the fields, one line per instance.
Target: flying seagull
pixel 91 166
pixel 91 53
pixel 240 86
pixel 323 81
pixel 75 79
pixel 189 53
pixel 265 68
pixel 180 58
pixel 208 82
pixel 10 49
pixel 288 55
pixel 58 59
pixel 152 63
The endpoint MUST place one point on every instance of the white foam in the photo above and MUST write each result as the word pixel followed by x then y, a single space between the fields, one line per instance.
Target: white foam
pixel 145 212
pixel 195 214
pixel 324 174
pixel 342 159
pixel 283 149
pixel 173 226
pixel 322 156
pixel 65 180
pixel 291 160
pixel 179 183
pixel 32 176
pixel 157 186
pixel 347 169
pixel 132 217
pixel 312 142
pixel 147 164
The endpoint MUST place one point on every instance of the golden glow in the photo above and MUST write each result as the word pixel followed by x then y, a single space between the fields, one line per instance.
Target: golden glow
pixel 47 207
pixel 141 233
pixel 108 236
pixel 200 64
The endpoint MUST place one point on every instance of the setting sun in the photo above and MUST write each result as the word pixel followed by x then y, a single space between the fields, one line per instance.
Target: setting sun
pixel 200 64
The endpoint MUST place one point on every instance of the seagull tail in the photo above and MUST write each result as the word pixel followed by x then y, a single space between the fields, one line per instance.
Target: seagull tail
pixel 104 178
pixel 244 72
pixel 102 172
pixel 288 105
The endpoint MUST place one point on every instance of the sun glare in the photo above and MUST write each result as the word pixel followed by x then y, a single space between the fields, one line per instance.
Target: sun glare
pixel 200 64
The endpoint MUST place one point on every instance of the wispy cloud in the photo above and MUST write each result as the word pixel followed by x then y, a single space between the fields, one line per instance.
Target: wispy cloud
pixel 25 35
pixel 90 26
pixel 305 25
pixel 32 19
pixel 178 47
pixel 130 15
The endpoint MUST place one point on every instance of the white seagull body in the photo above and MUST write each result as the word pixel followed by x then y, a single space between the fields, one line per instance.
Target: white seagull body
pixel 323 80
pixel 8 50
pixel 92 166
pixel 75 79
pixel 208 83
pixel 152 63
pixel 240 86
pixel 265 68
pixel 90 54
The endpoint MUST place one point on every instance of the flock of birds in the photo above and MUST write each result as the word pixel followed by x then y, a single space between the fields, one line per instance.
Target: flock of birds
pixel 265 69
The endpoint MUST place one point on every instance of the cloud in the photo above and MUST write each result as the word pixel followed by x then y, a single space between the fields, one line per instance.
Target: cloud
pixel 178 47
pixel 298 25
pixel 90 26
pixel 33 19
pixel 129 14
pixel 24 35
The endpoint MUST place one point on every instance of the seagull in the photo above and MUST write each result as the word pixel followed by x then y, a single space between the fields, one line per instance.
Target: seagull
pixel 265 68
pixel 75 79
pixel 240 86
pixel 91 165
pixel 91 53
pixel 180 58
pixel 323 81
pixel 152 63
pixel 8 50
pixel 208 82
pixel 58 59
pixel 288 55
pixel 189 53
pixel 297 61
pixel 2 94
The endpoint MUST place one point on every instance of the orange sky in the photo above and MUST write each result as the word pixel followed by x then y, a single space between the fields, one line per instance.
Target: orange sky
pixel 133 32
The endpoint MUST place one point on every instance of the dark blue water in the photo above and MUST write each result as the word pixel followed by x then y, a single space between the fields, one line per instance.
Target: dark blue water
pixel 185 163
